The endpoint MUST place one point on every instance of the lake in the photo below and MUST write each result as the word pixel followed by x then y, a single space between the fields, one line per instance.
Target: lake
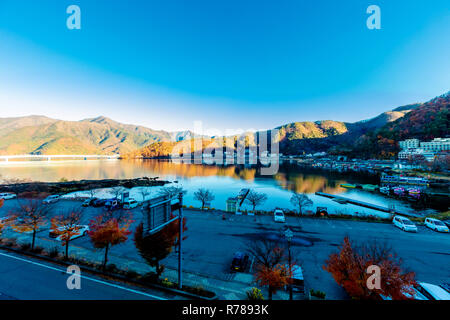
pixel 223 181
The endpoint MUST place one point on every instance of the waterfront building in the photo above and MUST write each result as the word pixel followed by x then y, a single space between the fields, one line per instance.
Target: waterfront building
pixel 413 152
pixel 437 145
pixel 409 143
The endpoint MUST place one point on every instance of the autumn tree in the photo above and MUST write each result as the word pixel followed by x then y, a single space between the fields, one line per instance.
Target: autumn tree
pixel 105 232
pixel 204 196
pixel 256 199
pixel 300 200
pixel 270 271
pixel 349 268
pixel 172 191
pixel 155 247
pixel 66 226
pixel 29 216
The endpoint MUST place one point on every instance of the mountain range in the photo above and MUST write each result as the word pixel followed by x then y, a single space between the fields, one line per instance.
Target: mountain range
pixel 376 137
pixel 101 135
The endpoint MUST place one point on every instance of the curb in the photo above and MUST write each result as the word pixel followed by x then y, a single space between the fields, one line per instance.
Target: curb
pixel 113 276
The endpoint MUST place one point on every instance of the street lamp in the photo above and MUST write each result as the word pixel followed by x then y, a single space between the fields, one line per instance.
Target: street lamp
pixel 289 234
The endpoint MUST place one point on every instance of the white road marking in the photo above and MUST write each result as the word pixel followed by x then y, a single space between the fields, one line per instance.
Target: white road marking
pixel 84 277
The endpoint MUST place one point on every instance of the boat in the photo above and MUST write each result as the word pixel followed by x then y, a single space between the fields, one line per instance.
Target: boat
pixel 399 191
pixel 348 185
pixel 414 192
pixel 370 187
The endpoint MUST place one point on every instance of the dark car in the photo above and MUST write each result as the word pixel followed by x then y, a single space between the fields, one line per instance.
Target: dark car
pixel 89 202
pixel 239 262
pixel 99 203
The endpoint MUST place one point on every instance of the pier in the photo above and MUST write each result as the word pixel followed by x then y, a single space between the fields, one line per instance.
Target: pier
pixel 364 204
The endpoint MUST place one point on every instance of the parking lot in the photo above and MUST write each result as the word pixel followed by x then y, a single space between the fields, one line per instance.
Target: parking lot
pixel 212 241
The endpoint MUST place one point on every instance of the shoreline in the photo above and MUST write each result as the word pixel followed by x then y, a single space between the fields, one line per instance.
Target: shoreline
pixel 81 185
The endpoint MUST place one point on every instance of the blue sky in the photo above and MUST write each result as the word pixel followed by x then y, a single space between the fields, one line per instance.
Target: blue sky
pixel 230 64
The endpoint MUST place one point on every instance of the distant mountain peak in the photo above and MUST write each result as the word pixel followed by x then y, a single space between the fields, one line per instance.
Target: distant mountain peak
pixel 99 119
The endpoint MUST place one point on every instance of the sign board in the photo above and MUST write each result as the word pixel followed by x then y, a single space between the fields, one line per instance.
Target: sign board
pixel 157 213
pixel 125 196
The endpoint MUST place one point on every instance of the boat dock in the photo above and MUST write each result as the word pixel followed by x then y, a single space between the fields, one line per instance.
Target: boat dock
pixel 363 204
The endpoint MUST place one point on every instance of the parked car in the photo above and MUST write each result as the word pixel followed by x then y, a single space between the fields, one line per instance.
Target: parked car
pixel 99 203
pixel 130 204
pixel 415 296
pixel 278 216
pixel 436 225
pixel 239 262
pixel 404 223
pixel 82 231
pixel 8 196
pixel 432 291
pixel 89 202
pixel 51 199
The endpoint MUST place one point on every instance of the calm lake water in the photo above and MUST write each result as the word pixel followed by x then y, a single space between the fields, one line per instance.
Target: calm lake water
pixel 224 181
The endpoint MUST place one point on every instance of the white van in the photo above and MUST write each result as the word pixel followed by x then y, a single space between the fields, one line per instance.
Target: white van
pixel 130 204
pixel 436 225
pixel 278 216
pixel 404 223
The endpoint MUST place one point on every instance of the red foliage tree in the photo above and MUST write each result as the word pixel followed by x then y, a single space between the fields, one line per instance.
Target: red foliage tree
pixel 349 270
pixel 105 233
pixel 157 246
pixel 270 271
pixel 274 277
pixel 30 216
pixel 67 226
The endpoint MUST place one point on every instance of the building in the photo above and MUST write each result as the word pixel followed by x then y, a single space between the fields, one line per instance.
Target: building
pixel 437 145
pixel 409 143
pixel 410 153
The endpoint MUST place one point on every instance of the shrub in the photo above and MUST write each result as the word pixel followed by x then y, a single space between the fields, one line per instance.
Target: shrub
pixel 131 274
pixel 112 268
pixel 254 294
pixel 150 277
pixel 53 253
pixel 37 250
pixel 317 293
pixel 165 282
pixel 25 246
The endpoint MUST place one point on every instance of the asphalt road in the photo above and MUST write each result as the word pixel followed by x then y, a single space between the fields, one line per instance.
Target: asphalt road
pixel 22 278
pixel 212 241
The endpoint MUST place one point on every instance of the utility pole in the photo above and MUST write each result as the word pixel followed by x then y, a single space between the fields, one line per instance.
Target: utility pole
pixel 289 234
pixel 180 240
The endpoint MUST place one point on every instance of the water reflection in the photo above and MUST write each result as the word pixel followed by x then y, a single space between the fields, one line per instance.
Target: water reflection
pixel 289 177
pixel 224 181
